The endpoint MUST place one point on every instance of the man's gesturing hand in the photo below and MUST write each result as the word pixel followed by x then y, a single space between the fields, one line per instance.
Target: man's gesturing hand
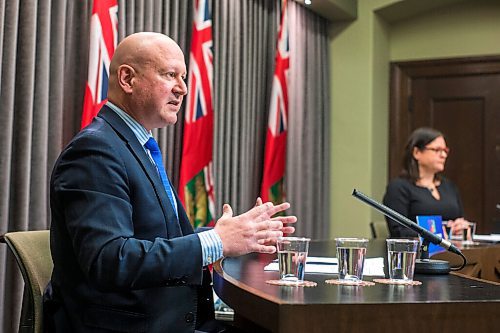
pixel 253 231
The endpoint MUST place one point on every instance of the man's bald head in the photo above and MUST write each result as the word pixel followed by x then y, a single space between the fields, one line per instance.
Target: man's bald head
pixel 138 50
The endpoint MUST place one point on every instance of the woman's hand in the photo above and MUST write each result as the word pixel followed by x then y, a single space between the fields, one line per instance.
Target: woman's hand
pixel 457 225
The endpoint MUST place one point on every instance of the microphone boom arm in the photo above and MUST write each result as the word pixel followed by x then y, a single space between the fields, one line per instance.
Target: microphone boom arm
pixel 403 220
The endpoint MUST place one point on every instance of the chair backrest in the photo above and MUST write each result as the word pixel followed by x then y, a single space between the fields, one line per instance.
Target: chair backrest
pixel 379 229
pixel 32 252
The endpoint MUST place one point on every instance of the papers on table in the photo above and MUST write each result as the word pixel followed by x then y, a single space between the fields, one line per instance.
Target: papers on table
pixel 487 238
pixel 326 265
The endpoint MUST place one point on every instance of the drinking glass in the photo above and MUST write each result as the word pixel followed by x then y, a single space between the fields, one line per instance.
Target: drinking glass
pixel 292 256
pixel 401 255
pixel 468 234
pixel 351 258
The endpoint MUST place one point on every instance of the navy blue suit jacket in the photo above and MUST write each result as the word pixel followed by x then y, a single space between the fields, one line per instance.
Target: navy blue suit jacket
pixel 122 260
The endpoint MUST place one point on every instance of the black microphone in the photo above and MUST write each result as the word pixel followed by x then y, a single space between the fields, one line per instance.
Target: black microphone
pixel 422 232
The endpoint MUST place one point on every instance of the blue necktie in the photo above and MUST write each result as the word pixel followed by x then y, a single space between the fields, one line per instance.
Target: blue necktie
pixel 153 148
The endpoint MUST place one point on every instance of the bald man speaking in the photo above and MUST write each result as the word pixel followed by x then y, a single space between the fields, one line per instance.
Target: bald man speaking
pixel 125 256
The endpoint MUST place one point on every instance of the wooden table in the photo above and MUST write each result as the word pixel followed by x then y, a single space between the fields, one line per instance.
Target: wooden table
pixel 444 303
pixel 483 260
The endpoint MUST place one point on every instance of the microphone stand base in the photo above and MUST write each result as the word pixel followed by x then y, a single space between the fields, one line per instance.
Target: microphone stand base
pixel 431 267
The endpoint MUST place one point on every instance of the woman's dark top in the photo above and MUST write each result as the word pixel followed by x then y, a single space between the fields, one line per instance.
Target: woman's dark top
pixel 411 200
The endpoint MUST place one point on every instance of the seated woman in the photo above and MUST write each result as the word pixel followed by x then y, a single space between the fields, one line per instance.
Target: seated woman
pixel 420 189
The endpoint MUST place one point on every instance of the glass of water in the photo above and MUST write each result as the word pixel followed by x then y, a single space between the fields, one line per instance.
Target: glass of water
pixel 292 256
pixel 351 258
pixel 401 255
pixel 469 233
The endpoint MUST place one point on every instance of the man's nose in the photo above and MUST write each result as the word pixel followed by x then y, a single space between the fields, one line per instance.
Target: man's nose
pixel 181 87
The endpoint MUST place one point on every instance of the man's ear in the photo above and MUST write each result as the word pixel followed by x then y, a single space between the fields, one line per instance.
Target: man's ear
pixel 126 75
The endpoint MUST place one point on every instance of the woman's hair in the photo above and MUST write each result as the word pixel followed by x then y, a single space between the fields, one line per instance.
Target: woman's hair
pixel 420 138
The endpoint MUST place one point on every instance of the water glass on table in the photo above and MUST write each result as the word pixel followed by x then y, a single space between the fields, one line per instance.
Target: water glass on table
pixel 351 254
pixel 465 234
pixel 469 233
pixel 292 256
pixel 401 255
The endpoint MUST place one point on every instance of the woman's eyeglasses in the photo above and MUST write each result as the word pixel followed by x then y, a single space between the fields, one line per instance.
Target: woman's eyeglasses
pixel 439 150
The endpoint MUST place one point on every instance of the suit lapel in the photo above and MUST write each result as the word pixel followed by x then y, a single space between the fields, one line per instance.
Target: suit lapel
pixel 122 129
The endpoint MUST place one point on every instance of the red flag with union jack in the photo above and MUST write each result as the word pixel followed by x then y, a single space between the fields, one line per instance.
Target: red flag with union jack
pixel 103 39
pixel 196 187
pixel 275 154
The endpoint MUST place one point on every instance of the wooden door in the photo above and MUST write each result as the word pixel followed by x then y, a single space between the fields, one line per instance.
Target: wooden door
pixel 461 98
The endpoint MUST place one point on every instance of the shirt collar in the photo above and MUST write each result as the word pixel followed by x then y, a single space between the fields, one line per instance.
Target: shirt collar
pixel 140 131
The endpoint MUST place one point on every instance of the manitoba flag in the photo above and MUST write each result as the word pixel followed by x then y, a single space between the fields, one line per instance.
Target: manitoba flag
pixel 103 39
pixel 275 153
pixel 196 187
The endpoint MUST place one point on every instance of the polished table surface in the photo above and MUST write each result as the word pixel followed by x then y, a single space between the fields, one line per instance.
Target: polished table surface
pixel 446 302
pixel 483 260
